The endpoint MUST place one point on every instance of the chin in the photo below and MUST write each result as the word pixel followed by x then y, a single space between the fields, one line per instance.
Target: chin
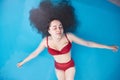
pixel 58 35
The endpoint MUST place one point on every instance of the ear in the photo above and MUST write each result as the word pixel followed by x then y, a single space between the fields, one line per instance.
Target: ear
pixel 49 31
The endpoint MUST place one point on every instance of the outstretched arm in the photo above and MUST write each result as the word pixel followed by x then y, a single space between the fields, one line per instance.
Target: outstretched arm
pixel 89 43
pixel 33 54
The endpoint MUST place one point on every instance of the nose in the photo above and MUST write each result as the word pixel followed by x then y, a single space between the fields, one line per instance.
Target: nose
pixel 58 29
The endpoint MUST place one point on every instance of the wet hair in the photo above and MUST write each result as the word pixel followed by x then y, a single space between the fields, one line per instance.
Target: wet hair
pixel 48 11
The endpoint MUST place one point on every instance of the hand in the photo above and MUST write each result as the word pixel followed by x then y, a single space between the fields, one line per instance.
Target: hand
pixel 19 64
pixel 114 48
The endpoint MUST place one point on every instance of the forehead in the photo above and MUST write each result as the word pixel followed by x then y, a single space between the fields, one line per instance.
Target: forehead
pixel 55 22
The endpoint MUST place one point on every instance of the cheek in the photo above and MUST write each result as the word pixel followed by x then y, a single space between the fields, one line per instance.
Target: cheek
pixel 50 31
pixel 62 30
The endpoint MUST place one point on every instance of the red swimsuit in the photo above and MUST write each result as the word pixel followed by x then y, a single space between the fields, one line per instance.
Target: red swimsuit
pixel 64 50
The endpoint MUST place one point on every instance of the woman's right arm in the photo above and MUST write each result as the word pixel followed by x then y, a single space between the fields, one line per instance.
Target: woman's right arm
pixel 35 53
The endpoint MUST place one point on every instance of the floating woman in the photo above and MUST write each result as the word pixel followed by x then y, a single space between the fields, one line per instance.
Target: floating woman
pixel 54 22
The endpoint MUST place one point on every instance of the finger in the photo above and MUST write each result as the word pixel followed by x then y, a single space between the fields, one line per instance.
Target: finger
pixel 19 65
pixel 115 50
pixel 117 47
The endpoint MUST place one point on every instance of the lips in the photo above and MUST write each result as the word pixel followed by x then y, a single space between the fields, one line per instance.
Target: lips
pixel 58 33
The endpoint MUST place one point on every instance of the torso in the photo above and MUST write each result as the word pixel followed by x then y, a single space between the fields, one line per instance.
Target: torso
pixel 54 47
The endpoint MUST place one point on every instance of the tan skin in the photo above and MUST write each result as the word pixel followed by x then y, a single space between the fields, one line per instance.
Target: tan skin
pixel 57 40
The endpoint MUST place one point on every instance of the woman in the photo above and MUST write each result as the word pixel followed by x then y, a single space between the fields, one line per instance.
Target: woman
pixel 58 41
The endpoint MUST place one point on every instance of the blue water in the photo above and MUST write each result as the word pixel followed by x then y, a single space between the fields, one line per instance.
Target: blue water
pixel 99 21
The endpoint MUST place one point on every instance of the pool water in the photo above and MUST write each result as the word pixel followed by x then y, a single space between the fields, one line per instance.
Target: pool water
pixel 99 21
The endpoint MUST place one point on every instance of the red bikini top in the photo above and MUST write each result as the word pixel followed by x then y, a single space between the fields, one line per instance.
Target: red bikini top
pixel 64 50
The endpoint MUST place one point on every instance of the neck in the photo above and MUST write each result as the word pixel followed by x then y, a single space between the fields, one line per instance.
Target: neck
pixel 57 38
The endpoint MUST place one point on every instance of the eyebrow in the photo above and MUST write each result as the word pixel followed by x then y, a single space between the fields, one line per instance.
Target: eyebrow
pixel 55 25
pixel 60 24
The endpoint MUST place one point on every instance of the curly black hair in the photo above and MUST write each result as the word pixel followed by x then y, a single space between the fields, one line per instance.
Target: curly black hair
pixel 47 11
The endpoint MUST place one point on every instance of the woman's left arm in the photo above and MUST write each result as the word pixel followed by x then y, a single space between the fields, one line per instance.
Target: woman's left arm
pixel 90 44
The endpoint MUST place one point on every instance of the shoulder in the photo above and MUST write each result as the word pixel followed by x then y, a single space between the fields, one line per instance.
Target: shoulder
pixel 44 41
pixel 73 38
pixel 70 36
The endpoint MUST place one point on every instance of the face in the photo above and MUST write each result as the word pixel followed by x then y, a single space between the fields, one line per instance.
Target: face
pixel 56 29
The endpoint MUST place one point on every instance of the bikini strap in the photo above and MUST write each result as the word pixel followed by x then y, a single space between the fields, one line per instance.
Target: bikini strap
pixel 47 41
pixel 67 37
